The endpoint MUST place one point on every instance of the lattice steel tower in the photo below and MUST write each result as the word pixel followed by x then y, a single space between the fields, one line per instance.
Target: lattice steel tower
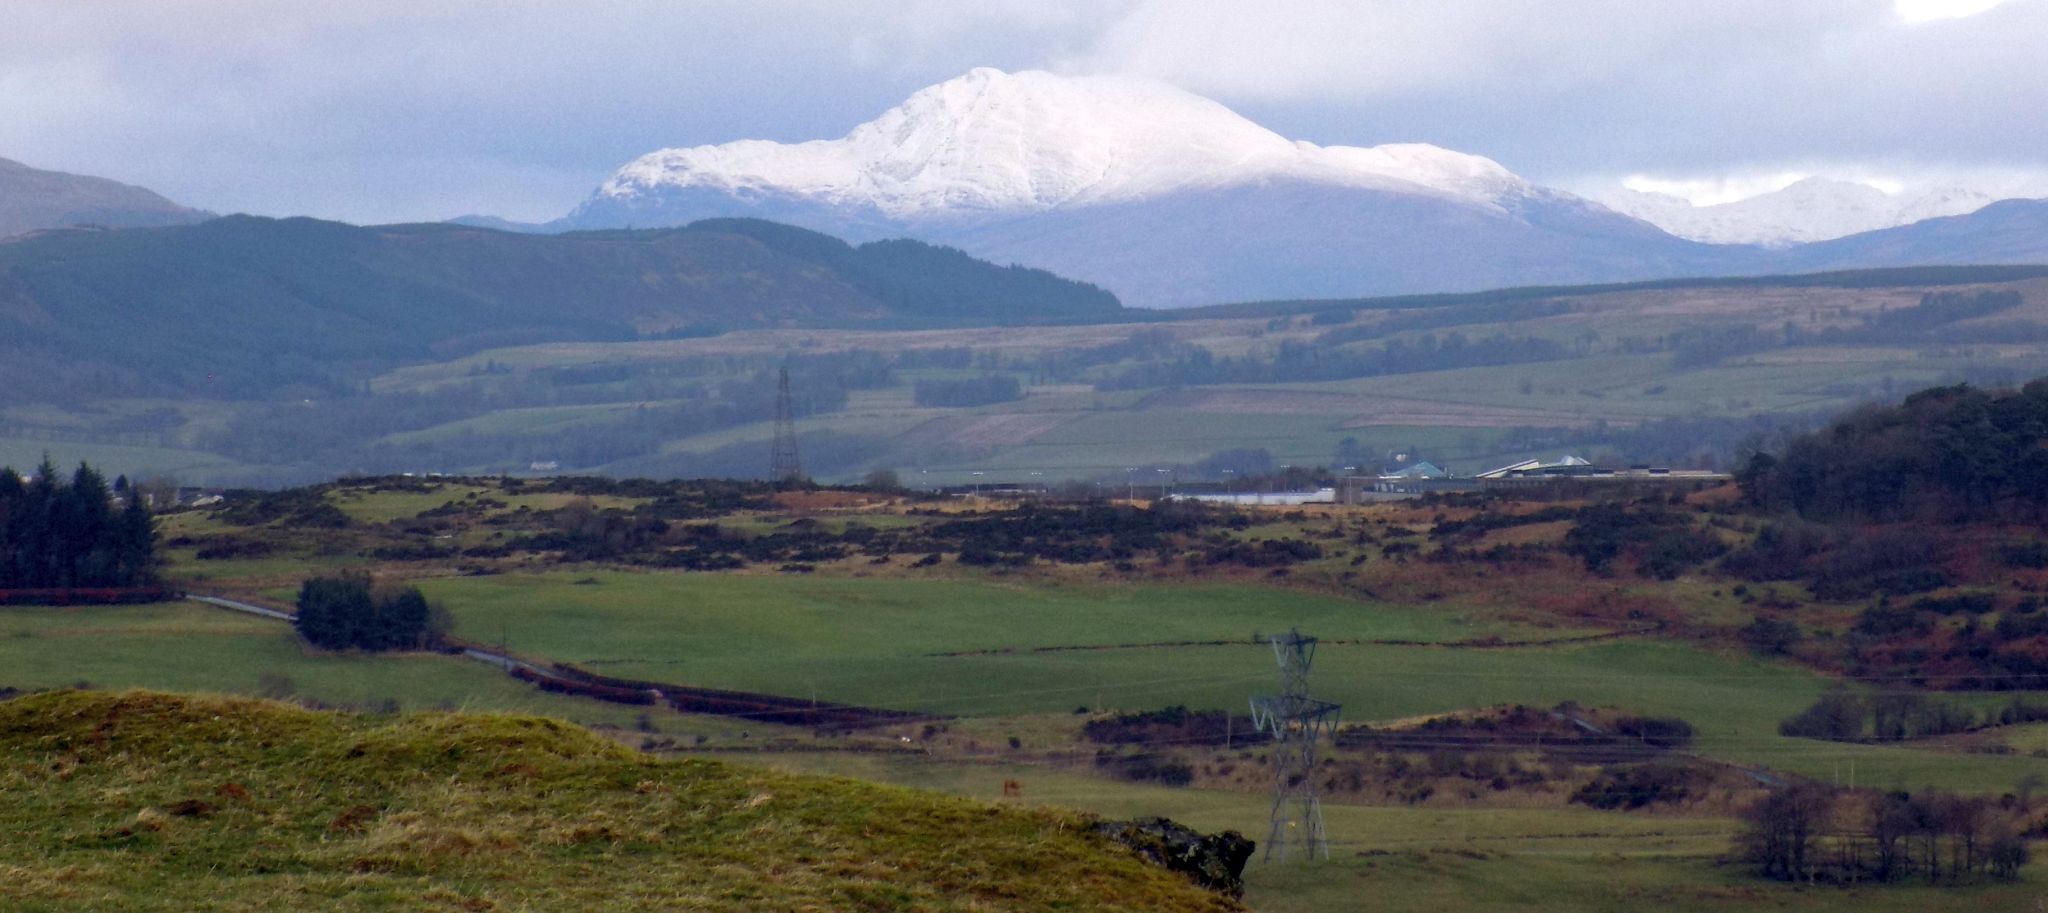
pixel 1297 723
pixel 782 461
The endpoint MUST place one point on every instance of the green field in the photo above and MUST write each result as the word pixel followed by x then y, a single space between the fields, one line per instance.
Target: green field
pixel 871 641
pixel 190 647
pixel 1412 858
pixel 1402 858
pixel 137 462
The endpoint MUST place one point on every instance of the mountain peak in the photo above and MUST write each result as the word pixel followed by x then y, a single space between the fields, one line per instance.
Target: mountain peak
pixel 991 141
pixel 32 199
pixel 1815 208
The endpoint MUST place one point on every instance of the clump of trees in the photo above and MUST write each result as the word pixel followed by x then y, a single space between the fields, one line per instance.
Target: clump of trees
pixel 1895 716
pixel 1808 832
pixel 58 534
pixel 1948 454
pixel 346 612
pixel 1176 725
pixel 1664 543
pixel 1632 786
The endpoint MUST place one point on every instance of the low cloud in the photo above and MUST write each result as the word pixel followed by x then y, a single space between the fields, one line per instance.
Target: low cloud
pixel 382 110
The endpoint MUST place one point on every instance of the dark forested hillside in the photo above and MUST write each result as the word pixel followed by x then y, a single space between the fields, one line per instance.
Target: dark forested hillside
pixel 1949 453
pixel 249 307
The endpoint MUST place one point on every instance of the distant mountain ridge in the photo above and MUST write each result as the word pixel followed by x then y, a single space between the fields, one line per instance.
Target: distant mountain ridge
pixel 1170 199
pixel 1813 209
pixel 2008 231
pixel 32 199
pixel 242 306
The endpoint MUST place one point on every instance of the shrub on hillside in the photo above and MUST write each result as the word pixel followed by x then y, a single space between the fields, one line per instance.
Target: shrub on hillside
pixel 1656 731
pixel 1676 551
pixel 1637 785
pixel 1771 636
pixel 1837 717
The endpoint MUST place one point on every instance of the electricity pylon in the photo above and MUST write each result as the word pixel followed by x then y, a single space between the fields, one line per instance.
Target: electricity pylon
pixel 1297 723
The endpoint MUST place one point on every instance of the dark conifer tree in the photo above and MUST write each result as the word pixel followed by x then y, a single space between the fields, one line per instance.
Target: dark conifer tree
pixel 55 533
pixel 342 613
pixel 403 620
pixel 39 533
pixel 136 541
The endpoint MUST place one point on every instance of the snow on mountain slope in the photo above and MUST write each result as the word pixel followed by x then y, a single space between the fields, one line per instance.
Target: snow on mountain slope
pixel 995 142
pixel 1814 209
pixel 1161 196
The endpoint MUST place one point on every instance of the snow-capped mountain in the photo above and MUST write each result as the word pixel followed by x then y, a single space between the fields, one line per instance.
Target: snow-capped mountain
pixel 1170 199
pixel 991 142
pixel 1813 209
pixel 1160 195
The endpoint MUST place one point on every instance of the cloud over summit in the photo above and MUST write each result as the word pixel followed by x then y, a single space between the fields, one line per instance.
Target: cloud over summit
pixel 384 110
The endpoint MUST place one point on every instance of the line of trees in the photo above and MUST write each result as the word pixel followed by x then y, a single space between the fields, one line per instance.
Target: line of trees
pixel 1810 833
pixel 56 533
pixel 345 612
pixel 1895 716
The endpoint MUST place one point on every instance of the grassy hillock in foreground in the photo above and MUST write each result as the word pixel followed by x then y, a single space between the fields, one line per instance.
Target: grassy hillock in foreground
pixel 143 801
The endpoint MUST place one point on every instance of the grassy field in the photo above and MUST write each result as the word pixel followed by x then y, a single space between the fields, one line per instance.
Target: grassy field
pixel 1482 859
pixel 147 802
pixel 874 642
pixel 869 634
pixel 1404 858
pixel 871 640
pixel 190 647
pixel 137 462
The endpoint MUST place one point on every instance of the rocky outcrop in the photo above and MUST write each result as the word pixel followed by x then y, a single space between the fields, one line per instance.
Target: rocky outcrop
pixel 1214 861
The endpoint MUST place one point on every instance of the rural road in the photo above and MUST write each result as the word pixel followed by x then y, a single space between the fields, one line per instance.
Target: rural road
pixel 502 661
pixel 235 606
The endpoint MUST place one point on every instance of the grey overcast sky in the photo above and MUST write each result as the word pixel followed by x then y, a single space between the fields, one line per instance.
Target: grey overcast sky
pixel 387 110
